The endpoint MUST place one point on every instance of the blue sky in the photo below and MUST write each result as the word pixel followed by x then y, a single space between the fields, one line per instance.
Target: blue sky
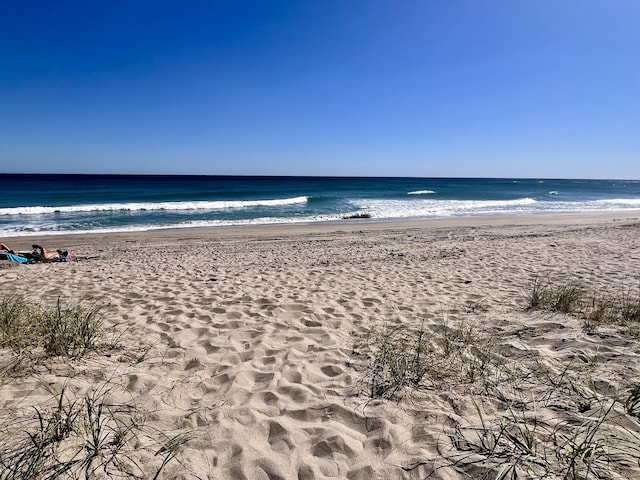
pixel 418 88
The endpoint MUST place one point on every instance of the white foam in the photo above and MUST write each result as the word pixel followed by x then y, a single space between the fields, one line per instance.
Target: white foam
pixel 442 208
pixel 189 224
pixel 421 192
pixel 377 209
pixel 152 206
pixel 621 202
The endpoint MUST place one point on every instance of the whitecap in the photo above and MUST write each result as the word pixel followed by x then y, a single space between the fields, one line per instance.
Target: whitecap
pixel 153 206
pixel 421 192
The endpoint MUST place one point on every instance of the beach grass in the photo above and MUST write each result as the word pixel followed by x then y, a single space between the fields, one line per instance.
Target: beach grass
pixel 60 329
pixel 552 420
pixel 401 357
pixel 549 425
pixel 72 436
pixel 522 444
pixel 87 436
pixel 594 308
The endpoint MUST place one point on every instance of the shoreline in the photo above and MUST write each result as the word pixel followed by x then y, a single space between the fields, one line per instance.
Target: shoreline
pixel 69 240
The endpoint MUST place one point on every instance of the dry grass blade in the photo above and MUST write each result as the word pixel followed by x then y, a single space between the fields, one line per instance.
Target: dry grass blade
pixel 18 323
pixel 71 329
pixel 170 450
pixel 632 402
pixel 630 307
pixel 401 357
pixel 87 437
pixel 596 310
pixel 538 294
pixel 568 298
pixel 36 455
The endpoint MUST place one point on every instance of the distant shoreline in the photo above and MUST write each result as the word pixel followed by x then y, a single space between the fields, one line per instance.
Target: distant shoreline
pixel 175 234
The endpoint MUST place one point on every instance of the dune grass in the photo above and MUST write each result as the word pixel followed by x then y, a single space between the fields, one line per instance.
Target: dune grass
pixel 553 423
pixel 83 437
pixel 595 309
pixel 519 445
pixel 547 418
pixel 61 329
pixel 71 436
pixel 401 357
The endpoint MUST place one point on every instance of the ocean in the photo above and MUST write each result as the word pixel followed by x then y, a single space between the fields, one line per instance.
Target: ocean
pixel 62 204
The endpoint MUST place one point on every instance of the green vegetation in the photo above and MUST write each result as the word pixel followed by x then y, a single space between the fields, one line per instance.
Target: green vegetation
pixel 402 357
pixel 62 329
pixel 82 438
pixel 523 445
pixel 547 417
pixel 552 421
pixel 595 309
pixel 73 437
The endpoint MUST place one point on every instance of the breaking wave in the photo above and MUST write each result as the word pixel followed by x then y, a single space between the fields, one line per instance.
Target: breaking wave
pixel 421 192
pixel 151 206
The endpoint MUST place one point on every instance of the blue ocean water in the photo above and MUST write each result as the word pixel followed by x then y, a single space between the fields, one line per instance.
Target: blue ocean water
pixel 50 204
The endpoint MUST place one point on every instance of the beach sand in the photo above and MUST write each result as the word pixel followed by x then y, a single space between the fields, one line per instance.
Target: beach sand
pixel 258 345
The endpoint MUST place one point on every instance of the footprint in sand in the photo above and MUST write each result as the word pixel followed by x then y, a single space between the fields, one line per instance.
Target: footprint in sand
pixel 279 438
pixel 331 370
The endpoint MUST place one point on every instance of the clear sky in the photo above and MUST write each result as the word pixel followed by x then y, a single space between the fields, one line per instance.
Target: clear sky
pixel 509 88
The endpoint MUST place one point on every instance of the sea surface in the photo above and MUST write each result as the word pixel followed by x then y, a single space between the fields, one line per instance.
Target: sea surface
pixel 57 204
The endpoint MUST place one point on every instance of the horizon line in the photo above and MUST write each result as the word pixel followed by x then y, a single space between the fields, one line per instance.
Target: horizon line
pixel 438 177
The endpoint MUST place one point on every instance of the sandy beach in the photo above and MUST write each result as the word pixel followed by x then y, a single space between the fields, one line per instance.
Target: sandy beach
pixel 258 347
